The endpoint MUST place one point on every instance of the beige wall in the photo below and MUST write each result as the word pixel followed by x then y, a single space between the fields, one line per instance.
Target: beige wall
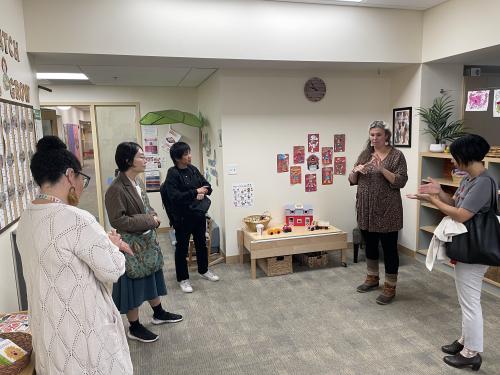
pixel 149 99
pixel 459 26
pixel 237 29
pixel 265 113
pixel 12 22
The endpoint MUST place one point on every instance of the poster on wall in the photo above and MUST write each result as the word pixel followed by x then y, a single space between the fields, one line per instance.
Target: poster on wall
pixel 152 180
pixel 73 139
pixel 326 155
pixel 401 127
pixel 339 165
pixel 496 103
pixel 477 101
pixel 171 137
pixel 310 182
pixel 339 143
pixel 153 162
pixel 312 163
pixel 243 195
pixel 327 175
pixel 150 136
pixel 313 142
pixel 295 175
pixel 298 154
pixel 282 163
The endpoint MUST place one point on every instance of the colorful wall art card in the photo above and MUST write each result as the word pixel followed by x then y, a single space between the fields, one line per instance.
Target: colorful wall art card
pixel 327 175
pixel 339 142
pixel 282 163
pixel 313 142
pixel 326 155
pixel 339 165
pixel 312 163
pixel 295 175
pixel 243 195
pixel 496 103
pixel 311 184
pixel 477 100
pixel 299 154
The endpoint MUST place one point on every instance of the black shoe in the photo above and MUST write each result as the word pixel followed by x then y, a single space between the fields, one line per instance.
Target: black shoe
pixel 166 317
pixel 453 348
pixel 142 334
pixel 459 361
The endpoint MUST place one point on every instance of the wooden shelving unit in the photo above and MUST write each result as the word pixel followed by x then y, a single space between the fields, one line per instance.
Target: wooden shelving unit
pixel 433 165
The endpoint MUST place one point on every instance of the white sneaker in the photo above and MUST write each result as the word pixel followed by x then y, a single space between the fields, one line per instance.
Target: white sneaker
pixel 186 286
pixel 209 275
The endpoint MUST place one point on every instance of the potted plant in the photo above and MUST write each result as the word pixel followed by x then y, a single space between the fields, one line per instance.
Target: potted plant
pixel 436 117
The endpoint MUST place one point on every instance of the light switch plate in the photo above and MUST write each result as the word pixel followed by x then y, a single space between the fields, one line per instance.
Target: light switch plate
pixel 232 169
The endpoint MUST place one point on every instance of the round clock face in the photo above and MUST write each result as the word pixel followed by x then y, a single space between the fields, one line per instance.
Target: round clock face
pixel 315 89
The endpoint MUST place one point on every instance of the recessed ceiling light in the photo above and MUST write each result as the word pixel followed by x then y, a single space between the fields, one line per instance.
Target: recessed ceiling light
pixel 72 76
pixel 63 107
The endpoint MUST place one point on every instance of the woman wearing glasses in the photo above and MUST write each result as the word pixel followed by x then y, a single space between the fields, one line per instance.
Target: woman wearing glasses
pixel 130 213
pixel 68 263
pixel 380 172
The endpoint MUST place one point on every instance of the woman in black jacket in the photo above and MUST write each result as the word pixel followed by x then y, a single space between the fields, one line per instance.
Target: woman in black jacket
pixel 184 195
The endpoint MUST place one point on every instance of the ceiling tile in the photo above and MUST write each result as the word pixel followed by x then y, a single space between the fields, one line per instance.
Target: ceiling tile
pixel 196 77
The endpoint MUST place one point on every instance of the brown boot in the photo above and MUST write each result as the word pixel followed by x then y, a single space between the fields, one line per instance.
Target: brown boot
pixel 387 295
pixel 371 283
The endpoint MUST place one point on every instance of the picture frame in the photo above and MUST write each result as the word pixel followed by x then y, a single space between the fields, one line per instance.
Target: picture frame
pixel 401 127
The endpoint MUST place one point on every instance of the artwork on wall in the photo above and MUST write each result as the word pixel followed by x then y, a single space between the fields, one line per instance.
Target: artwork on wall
pixel 298 154
pixel 73 139
pixel 312 163
pixel 496 103
pixel 339 165
pixel 295 175
pixel 327 175
pixel 313 142
pixel 171 137
pixel 339 142
pixel 243 195
pixel 282 163
pixel 17 145
pixel 150 136
pixel 401 127
pixel 326 155
pixel 477 101
pixel 311 184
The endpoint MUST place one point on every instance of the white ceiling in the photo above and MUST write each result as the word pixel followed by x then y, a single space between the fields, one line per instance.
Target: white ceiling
pixel 396 4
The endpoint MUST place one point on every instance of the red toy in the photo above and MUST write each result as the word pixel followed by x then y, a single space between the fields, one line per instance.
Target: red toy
pixel 287 228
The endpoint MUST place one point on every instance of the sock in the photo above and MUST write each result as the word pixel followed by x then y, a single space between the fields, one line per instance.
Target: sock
pixel 467 353
pixel 372 267
pixel 391 278
pixel 461 340
pixel 135 324
pixel 157 310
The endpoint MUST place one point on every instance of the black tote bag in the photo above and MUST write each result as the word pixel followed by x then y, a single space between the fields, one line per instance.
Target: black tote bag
pixel 481 243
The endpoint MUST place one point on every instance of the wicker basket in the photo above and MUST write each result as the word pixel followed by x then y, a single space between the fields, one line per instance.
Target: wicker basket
pixel 276 266
pixel 252 220
pixel 313 260
pixel 24 341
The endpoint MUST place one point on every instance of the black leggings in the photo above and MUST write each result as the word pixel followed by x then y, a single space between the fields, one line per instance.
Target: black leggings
pixel 389 244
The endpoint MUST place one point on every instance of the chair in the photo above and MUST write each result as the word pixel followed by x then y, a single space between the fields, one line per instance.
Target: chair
pixel 212 258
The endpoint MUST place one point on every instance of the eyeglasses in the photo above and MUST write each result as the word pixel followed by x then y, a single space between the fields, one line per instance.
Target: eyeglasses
pixel 378 124
pixel 86 179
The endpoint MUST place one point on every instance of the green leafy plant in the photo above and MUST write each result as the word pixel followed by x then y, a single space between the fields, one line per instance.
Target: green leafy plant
pixel 437 116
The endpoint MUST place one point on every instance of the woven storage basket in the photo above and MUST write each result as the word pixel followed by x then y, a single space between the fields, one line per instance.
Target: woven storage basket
pixel 276 266
pixel 24 341
pixel 252 220
pixel 314 260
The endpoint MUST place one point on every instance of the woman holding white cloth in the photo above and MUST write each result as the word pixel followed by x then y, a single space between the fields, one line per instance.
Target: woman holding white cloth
pixel 474 195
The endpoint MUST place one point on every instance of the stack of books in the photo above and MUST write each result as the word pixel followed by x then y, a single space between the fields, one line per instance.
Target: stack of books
pixel 10 353
pixel 17 322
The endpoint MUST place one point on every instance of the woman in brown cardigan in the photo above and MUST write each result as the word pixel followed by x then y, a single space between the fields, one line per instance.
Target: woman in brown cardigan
pixel 128 209
pixel 380 172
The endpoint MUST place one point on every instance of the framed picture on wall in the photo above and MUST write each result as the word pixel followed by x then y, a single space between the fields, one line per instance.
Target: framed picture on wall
pixel 401 127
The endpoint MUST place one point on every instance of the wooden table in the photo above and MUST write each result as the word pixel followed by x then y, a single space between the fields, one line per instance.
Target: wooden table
pixel 299 241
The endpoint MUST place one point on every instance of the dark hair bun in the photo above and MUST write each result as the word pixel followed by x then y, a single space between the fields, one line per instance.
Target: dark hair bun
pixel 50 143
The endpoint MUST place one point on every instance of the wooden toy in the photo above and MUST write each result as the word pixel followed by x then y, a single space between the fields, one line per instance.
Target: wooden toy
pixel 272 231
pixel 298 214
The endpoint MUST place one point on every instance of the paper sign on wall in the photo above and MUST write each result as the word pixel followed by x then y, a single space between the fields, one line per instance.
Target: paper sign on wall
pixel 311 184
pixel 496 103
pixel 298 154
pixel 340 165
pixel 477 101
pixel 171 138
pixel 313 142
pixel 295 175
pixel 282 163
pixel 327 175
pixel 339 142
pixel 243 195
pixel 326 155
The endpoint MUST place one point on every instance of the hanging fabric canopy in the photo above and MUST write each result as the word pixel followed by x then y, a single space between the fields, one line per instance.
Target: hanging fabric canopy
pixel 171 116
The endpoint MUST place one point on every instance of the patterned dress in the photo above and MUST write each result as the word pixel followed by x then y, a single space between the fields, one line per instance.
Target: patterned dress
pixel 378 202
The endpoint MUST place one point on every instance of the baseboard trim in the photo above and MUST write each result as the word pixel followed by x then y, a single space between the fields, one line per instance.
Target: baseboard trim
pixel 408 252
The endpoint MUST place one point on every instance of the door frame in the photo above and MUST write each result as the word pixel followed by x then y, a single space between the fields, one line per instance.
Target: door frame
pixel 95 137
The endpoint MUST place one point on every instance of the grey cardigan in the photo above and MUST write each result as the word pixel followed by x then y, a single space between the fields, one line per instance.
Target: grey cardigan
pixel 125 207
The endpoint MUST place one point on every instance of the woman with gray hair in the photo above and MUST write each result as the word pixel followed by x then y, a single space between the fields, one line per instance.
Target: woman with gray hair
pixel 380 172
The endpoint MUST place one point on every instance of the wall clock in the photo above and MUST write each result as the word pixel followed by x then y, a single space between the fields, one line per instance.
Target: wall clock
pixel 315 89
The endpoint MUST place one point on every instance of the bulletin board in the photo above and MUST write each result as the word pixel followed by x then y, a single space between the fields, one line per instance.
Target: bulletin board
pixel 17 145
